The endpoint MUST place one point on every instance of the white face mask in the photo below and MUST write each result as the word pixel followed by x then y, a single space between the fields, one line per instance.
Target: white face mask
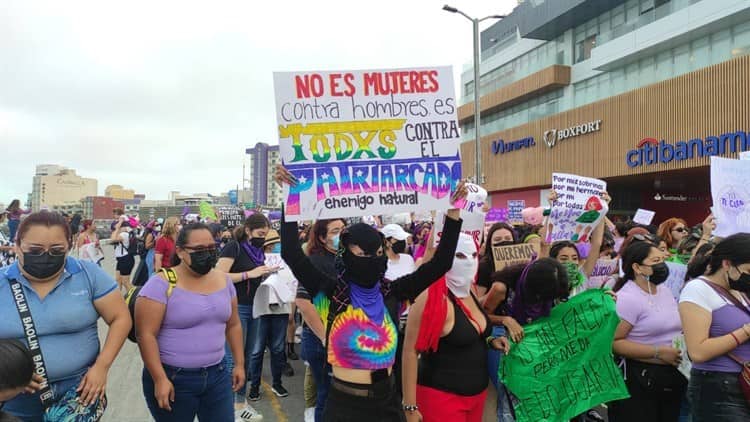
pixel 461 275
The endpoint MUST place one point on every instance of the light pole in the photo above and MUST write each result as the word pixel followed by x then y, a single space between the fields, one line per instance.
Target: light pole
pixel 477 151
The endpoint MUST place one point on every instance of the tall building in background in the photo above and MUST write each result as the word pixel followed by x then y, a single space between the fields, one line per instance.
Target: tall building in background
pixel 639 93
pixel 60 188
pixel 260 169
pixel 119 192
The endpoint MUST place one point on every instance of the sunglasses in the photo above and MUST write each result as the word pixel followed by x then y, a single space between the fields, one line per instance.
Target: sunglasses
pixel 53 251
pixel 680 230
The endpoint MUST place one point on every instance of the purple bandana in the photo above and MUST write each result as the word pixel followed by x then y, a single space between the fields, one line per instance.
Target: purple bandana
pixel 528 313
pixel 256 254
pixel 369 300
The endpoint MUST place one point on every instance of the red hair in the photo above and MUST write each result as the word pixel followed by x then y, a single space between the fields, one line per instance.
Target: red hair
pixel 595 202
pixel 665 230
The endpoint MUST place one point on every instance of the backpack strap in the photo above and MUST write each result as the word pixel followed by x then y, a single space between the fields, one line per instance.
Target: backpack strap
pixel 171 277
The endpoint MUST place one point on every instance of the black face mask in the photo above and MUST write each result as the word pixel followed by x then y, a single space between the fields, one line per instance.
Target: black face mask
pixel 503 243
pixel 42 266
pixel 398 246
pixel 660 273
pixel 364 271
pixel 742 283
pixel 257 241
pixel 201 262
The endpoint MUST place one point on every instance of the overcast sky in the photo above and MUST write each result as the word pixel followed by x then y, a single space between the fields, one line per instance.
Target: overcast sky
pixel 165 95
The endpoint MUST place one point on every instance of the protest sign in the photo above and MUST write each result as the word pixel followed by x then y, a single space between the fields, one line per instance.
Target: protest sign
pixel 578 209
pixel 603 269
pixel 730 196
pixel 368 142
pixel 497 215
pixel 514 254
pixel 207 211
pixel 676 279
pixel 564 365
pixel 231 216
pixel 644 217
pixel 473 225
pixel 515 207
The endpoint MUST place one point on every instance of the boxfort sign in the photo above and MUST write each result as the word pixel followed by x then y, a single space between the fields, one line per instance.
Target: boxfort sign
pixel 501 147
pixel 649 151
pixel 553 136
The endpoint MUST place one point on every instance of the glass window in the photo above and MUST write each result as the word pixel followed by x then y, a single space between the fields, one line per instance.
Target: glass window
pixel 700 56
pixel 681 59
pixel 647 71
pixel 721 46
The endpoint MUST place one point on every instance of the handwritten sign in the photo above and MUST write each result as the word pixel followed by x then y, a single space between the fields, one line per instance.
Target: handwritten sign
pixel 473 225
pixel 231 216
pixel 676 279
pixel 644 217
pixel 578 209
pixel 496 215
pixel 514 254
pixel 730 196
pixel 207 211
pixel 515 209
pixel 368 142
pixel 603 269
pixel 564 365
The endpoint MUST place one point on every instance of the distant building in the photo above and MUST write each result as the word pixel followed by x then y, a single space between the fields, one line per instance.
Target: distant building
pixel 264 191
pixel 118 192
pixel 60 188
pixel 99 207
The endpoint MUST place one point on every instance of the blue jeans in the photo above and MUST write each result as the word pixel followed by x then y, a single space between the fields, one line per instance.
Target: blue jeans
pixel 150 260
pixel 271 333
pixel 205 392
pixel 248 323
pixel 28 407
pixel 494 360
pixel 13 227
pixel 313 353
pixel 716 396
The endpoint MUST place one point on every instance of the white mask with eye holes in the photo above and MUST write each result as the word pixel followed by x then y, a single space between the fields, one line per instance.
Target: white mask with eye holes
pixel 461 275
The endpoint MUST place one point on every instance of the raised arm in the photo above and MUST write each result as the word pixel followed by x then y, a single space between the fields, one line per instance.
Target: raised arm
pixel 411 285
pixel 307 274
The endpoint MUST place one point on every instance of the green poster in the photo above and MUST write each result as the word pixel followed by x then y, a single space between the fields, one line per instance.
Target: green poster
pixel 207 211
pixel 564 364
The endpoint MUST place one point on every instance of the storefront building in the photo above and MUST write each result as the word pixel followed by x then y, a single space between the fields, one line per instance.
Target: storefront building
pixel 639 93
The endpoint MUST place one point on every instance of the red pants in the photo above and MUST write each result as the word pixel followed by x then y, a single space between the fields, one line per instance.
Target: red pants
pixel 440 406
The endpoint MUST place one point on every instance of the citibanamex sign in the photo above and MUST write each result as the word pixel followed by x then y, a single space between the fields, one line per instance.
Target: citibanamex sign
pixel 553 136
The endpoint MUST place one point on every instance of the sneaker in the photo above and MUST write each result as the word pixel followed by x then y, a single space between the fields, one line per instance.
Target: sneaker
pixel 247 414
pixel 279 390
pixel 254 393
pixel 288 370
pixel 310 414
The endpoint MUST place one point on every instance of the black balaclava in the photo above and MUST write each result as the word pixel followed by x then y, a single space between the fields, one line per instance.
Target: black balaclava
pixel 365 271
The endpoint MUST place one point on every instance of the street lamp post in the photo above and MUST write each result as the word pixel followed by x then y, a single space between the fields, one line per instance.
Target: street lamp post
pixel 477 151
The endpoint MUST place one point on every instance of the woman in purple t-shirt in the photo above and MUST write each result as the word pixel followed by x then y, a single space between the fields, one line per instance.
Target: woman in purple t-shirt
pixel 649 324
pixel 181 332
pixel 716 319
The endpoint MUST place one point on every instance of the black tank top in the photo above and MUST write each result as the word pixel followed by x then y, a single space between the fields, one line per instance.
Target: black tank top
pixel 460 364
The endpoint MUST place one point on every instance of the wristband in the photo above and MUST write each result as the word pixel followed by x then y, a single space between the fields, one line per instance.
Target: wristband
pixel 244 275
pixel 744 328
pixel 410 407
pixel 735 338
pixel 656 352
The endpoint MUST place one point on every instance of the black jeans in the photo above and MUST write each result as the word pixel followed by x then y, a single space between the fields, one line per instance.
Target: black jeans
pixel 383 407
pixel 648 402
pixel 716 396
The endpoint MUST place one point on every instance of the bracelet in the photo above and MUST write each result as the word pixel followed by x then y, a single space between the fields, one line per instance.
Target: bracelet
pixel 410 407
pixel 489 340
pixel 244 276
pixel 735 338
pixel 656 352
pixel 744 328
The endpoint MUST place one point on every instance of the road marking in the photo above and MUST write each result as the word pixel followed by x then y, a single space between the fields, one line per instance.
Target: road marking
pixel 275 403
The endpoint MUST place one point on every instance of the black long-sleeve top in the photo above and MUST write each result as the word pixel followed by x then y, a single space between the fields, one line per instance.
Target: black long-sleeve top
pixel 407 287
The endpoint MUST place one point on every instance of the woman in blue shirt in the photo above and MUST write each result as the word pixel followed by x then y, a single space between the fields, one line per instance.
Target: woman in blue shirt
pixel 66 297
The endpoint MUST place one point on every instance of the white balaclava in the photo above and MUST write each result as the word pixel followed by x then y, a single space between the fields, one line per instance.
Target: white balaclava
pixel 461 275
